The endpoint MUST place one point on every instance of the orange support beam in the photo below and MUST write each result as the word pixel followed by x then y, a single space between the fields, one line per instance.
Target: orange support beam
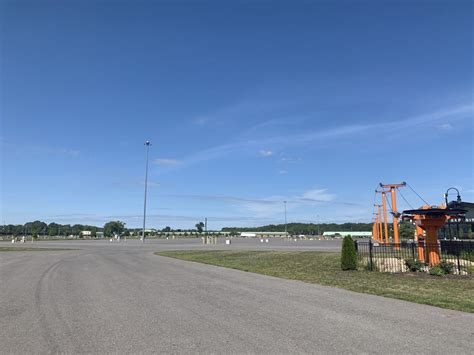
pixel 432 248
pixel 395 214
pixel 379 221
pixel 374 231
pixel 421 243
pixel 396 238
pixel 384 206
pixel 375 226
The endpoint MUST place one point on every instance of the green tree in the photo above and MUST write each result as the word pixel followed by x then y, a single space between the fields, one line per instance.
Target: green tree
pixel 348 254
pixel 114 227
pixel 406 230
pixel 77 229
pixel 53 229
pixel 199 227
pixel 36 228
pixel 65 229
pixel 166 229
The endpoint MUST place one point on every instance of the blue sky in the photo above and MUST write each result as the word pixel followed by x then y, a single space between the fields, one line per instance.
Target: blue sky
pixel 247 104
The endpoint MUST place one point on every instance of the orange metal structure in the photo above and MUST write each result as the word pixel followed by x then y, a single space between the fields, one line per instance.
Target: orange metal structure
pixel 430 225
pixel 421 241
pixel 384 206
pixel 395 214
pixel 380 225
pixel 377 227
pixel 431 219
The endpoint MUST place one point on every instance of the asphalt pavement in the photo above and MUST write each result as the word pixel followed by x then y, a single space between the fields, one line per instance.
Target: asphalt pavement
pixel 121 298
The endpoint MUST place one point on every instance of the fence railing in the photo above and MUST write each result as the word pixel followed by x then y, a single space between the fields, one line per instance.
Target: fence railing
pixel 454 256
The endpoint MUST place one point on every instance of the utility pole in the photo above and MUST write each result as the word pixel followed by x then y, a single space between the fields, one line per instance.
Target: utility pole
pixel 205 225
pixel 147 145
pixel 286 232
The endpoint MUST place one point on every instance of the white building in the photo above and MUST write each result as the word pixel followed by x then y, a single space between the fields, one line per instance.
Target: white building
pixel 348 233
pixel 262 234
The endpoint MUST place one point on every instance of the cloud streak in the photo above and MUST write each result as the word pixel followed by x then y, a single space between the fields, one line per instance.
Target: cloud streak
pixel 247 145
pixel 167 162
pixel 310 196
pixel 265 153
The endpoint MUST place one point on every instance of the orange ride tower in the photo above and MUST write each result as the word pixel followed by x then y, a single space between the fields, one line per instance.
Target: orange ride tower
pixel 395 214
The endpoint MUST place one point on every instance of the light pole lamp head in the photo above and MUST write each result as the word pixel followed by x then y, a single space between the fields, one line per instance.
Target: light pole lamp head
pixel 147 143
pixel 458 197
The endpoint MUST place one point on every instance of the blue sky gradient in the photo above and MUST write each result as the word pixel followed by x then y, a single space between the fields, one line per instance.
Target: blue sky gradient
pixel 247 104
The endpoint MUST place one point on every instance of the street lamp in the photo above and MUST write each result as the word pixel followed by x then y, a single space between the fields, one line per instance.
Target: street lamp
pixel 286 233
pixel 147 145
pixel 458 197
pixel 458 202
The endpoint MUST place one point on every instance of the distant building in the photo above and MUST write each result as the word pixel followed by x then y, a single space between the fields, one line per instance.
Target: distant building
pixel 346 233
pixel 468 206
pixel 86 234
pixel 262 234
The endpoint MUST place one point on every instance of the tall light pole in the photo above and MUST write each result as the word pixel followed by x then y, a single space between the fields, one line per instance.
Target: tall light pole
pixel 147 145
pixel 286 233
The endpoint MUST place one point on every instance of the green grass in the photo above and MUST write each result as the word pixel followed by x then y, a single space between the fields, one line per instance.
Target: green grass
pixel 452 292
pixel 31 249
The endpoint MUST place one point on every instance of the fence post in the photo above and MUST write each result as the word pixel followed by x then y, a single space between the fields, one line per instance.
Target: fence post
pixel 458 252
pixel 370 256
pixel 413 251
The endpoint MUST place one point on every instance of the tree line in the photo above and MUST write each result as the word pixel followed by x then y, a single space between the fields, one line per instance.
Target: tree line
pixel 305 228
pixel 39 228
pixel 111 228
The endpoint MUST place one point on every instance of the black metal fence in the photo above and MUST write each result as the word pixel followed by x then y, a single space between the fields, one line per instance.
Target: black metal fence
pixel 452 256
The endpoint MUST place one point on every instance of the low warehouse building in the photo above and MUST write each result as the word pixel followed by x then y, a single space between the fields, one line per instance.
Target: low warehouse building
pixel 348 233
pixel 262 234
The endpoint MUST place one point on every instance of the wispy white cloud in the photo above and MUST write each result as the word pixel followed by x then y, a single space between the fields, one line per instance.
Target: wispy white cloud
pixel 167 162
pixel 25 148
pixel 269 206
pixel 151 183
pixel 265 153
pixel 201 120
pixel 320 135
pixel 274 123
pixel 282 172
pixel 318 195
pixel 289 159
pixel 71 152
pixel 246 108
pixel 445 126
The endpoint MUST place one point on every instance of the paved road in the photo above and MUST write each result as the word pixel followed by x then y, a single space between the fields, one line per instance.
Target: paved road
pixel 122 298
pixel 193 243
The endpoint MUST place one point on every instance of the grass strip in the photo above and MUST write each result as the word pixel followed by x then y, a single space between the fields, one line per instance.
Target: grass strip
pixel 451 292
